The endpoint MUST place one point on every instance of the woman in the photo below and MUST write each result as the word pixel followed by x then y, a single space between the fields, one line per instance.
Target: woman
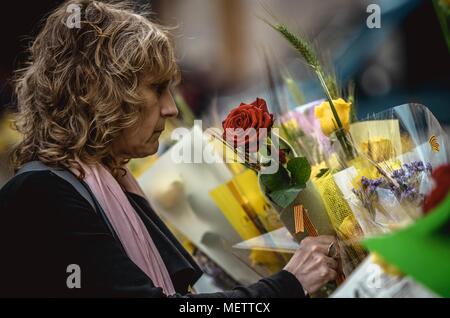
pixel 91 98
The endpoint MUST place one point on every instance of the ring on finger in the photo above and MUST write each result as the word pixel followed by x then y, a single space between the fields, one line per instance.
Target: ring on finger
pixel 332 251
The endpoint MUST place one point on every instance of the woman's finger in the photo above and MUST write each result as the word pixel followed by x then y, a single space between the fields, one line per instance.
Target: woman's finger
pixel 331 262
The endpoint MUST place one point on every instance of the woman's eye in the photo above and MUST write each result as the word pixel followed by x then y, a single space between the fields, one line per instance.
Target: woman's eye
pixel 160 88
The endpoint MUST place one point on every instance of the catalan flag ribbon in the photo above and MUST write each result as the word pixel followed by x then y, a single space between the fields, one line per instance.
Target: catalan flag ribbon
pixel 435 146
pixel 303 222
pixel 298 218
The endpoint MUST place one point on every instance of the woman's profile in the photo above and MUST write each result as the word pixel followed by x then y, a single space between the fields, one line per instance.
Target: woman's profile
pixel 90 98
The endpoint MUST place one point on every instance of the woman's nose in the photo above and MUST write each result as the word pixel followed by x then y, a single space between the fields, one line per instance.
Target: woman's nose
pixel 169 107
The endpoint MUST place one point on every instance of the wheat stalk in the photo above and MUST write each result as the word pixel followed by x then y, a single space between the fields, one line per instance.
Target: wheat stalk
pixel 303 47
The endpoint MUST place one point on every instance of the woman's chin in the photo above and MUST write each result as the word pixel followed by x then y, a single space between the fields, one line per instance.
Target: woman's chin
pixel 146 151
pixel 152 149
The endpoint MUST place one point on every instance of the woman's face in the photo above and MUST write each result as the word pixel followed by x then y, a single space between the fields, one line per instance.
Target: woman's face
pixel 141 140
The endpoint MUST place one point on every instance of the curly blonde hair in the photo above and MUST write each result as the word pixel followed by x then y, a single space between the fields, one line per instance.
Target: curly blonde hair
pixel 78 91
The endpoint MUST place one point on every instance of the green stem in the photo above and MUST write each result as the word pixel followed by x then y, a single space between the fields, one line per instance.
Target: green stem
pixel 294 90
pixel 304 49
pixel 296 145
pixel 442 14
pixel 294 153
pixel 330 100
pixel 340 132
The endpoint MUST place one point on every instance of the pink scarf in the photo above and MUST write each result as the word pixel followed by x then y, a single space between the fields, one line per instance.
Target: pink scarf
pixel 129 227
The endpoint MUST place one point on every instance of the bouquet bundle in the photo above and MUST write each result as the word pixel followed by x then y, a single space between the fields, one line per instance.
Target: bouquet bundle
pixel 284 175
pixel 326 172
pixel 371 175
pixel 291 154
pixel 387 184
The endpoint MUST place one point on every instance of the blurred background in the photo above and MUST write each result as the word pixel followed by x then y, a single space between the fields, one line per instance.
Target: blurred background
pixel 224 49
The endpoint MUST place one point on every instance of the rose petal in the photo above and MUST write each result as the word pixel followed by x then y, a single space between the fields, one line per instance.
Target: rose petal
pixel 261 104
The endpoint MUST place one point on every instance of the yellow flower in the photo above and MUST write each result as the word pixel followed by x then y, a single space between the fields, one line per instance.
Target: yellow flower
pixel 324 114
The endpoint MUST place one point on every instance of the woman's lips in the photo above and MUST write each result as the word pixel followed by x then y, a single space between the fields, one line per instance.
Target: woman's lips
pixel 160 130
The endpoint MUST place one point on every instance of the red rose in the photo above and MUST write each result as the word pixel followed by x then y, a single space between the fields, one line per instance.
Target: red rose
pixel 441 178
pixel 247 116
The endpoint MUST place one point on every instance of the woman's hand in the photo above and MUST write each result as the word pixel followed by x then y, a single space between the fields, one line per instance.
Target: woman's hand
pixel 312 265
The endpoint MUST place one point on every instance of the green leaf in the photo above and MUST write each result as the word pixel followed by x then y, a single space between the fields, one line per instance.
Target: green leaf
pixel 322 172
pixel 285 197
pixel 300 170
pixel 423 244
pixel 276 181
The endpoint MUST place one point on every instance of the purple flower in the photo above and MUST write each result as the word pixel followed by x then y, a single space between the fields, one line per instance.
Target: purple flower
pixel 378 182
pixel 405 187
pixel 397 174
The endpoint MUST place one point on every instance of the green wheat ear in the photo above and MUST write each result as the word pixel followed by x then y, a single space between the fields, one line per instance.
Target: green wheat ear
pixel 328 83
pixel 301 45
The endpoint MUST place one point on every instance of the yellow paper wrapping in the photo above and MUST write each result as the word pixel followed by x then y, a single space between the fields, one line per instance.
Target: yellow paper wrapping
pixel 341 216
pixel 243 205
pixel 379 139
pixel 253 198
pixel 378 149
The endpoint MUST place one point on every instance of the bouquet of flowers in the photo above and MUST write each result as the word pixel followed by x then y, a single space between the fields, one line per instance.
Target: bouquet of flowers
pixel 327 173
pixel 420 252
pixel 387 184
pixel 285 174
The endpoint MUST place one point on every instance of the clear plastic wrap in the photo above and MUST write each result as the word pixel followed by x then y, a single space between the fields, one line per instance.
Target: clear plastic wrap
pixel 397 151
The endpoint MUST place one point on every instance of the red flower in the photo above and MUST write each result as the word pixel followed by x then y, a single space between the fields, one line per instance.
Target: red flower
pixel 249 119
pixel 441 176
pixel 282 156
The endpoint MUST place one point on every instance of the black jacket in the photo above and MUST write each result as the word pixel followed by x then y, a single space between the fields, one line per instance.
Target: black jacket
pixel 46 225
